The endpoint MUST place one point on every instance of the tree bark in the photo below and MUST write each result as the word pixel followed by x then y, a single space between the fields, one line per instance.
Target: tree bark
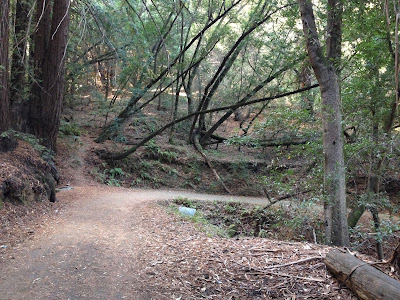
pixel 336 229
pixel 364 280
pixel 4 64
pixel 42 19
pixel 50 53
pixel 200 149
pixel 305 80
pixel 18 96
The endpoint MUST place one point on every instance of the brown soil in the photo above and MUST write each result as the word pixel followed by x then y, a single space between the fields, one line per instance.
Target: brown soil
pixel 24 175
pixel 102 242
pixel 111 243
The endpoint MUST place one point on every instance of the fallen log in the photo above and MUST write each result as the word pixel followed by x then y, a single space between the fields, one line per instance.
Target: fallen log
pixel 364 280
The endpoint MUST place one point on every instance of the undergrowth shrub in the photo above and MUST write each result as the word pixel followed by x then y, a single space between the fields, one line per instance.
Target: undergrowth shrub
pixel 154 151
pixel 297 223
pixel 69 129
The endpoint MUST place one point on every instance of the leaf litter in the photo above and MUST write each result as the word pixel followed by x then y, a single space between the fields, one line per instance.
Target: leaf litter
pixel 182 262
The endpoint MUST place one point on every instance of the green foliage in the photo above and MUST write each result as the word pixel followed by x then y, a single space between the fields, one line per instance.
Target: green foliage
pixel 372 200
pixel 229 208
pixel 302 222
pixel 280 181
pixel 199 219
pixel 44 152
pixel 148 122
pixel 361 235
pixel 113 176
pixel 386 229
pixel 281 125
pixel 184 201
pixel 127 36
pixel 234 218
pixel 154 151
pixel 238 171
pixel 240 140
pixel 69 129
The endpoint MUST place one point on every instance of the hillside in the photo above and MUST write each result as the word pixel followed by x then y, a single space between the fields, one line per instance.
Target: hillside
pixel 126 235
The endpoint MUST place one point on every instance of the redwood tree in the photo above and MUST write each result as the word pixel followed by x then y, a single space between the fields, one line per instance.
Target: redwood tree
pixel 49 59
pixel 19 60
pixel 326 71
pixel 4 91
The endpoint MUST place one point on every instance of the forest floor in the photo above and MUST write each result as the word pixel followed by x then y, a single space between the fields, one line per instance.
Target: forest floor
pixel 104 242
pixel 116 243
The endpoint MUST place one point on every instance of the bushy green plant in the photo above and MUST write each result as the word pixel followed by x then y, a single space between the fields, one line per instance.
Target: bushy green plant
pixel 279 181
pixel 154 151
pixel 200 221
pixel 231 207
pixel 69 129
pixel 113 176
pixel 372 200
pixel 386 229
pixel 282 124
pixel 360 235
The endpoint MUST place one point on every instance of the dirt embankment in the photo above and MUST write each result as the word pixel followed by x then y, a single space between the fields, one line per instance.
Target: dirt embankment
pixel 24 175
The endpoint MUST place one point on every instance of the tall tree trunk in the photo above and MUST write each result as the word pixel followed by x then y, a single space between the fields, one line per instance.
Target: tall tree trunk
pixel 4 63
pixel 42 19
pixel 336 229
pixel 49 89
pixel 18 66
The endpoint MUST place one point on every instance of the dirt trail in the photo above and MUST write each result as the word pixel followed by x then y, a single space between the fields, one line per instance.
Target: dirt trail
pixel 116 243
pixel 92 250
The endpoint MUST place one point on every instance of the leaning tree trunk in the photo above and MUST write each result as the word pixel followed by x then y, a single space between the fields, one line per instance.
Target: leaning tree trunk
pixel 115 126
pixel 48 109
pixel 247 97
pixel 4 91
pixel 336 229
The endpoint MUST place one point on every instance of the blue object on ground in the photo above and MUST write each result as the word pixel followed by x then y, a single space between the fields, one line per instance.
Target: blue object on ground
pixel 187 211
